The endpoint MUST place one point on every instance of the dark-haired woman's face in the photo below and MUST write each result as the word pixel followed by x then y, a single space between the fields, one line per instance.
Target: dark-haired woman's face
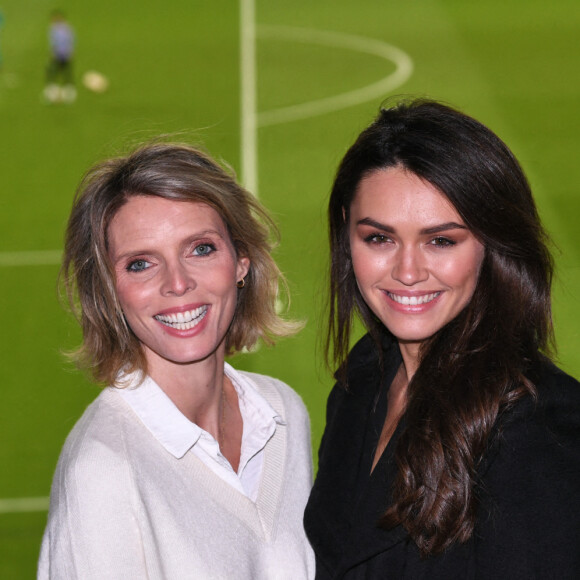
pixel 415 261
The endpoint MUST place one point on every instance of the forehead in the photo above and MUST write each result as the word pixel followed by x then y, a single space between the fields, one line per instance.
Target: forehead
pixel 396 193
pixel 156 208
pixel 150 216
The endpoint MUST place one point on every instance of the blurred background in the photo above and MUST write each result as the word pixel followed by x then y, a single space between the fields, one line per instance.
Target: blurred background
pixel 321 70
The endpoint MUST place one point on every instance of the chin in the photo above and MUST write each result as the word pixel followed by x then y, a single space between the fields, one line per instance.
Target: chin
pixel 412 337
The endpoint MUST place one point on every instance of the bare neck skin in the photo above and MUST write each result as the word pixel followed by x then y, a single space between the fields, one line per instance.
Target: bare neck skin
pixel 203 393
pixel 397 396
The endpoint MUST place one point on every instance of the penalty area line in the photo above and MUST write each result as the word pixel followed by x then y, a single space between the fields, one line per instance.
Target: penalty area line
pixel 23 504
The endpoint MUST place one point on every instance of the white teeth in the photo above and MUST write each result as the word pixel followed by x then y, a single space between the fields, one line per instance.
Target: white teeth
pixel 183 320
pixel 413 300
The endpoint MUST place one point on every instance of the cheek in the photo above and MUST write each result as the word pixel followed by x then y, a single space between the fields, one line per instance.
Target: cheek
pixel 130 297
pixel 464 273
pixel 221 284
pixel 360 269
pixel 368 266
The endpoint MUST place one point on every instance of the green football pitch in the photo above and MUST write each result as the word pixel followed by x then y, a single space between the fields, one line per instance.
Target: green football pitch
pixel 321 70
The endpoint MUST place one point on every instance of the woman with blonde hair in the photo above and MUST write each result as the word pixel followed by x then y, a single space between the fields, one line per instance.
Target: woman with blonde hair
pixel 183 467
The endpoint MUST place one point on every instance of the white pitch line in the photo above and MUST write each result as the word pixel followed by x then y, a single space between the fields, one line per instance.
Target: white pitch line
pixel 402 61
pixel 37 258
pixel 23 504
pixel 248 99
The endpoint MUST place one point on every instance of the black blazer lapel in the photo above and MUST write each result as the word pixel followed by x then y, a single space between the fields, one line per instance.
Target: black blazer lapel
pixel 346 502
pixel 332 503
pixel 369 539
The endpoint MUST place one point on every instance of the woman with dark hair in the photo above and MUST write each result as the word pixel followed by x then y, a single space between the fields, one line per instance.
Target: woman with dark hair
pixel 452 445
pixel 183 467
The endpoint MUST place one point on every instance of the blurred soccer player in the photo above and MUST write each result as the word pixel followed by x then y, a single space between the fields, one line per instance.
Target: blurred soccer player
pixel 59 75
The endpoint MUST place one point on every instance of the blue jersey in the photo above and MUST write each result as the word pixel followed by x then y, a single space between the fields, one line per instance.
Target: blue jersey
pixel 61 39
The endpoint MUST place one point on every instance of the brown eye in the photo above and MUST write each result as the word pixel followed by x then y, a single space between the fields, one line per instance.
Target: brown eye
pixel 376 239
pixel 442 242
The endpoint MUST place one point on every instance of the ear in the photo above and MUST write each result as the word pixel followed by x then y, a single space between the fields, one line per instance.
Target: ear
pixel 242 267
pixel 343 214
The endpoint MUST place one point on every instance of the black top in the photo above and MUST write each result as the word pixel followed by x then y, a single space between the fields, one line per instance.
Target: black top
pixel 528 523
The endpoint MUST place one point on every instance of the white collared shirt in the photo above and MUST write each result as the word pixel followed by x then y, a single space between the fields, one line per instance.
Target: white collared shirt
pixel 179 435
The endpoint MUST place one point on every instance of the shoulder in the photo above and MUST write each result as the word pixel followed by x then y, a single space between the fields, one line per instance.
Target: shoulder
pixel 96 444
pixel 368 362
pixel 371 353
pixel 362 370
pixel 364 352
pixel 107 410
pixel 540 437
pixel 557 387
pixel 531 476
pixel 93 475
pixel 557 404
pixel 94 504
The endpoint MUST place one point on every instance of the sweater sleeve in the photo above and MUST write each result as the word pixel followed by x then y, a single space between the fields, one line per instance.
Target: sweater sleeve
pixel 92 529
pixel 529 525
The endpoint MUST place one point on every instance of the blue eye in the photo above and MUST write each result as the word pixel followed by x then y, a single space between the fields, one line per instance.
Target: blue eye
pixel 204 249
pixel 138 266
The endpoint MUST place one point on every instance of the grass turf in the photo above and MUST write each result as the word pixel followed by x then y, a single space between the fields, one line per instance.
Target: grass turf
pixel 512 65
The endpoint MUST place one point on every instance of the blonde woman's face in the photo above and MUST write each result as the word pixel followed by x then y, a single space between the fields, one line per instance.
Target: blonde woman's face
pixel 175 275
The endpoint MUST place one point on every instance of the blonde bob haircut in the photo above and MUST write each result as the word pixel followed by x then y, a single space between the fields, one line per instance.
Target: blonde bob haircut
pixel 176 172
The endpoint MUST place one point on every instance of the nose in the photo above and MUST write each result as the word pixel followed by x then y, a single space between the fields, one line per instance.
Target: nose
pixel 178 280
pixel 409 267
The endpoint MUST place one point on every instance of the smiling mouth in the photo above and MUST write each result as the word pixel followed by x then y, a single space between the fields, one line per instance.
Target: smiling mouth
pixel 413 300
pixel 183 320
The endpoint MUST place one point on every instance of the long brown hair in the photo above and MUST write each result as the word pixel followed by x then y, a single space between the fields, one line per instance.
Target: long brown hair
pixel 480 363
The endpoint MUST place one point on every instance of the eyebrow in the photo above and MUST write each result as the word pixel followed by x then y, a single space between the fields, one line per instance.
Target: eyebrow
pixel 189 240
pixel 432 230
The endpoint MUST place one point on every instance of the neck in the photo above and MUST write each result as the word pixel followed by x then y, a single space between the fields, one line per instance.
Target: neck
pixel 195 388
pixel 203 393
pixel 410 355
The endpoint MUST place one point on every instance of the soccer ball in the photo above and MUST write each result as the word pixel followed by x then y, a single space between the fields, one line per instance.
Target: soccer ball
pixel 95 81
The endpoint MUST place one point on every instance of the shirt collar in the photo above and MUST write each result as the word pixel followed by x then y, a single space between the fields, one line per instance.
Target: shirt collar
pixel 174 430
pixel 250 397
pixel 160 415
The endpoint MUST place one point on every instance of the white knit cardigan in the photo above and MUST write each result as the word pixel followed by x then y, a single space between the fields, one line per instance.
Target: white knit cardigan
pixel 123 507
